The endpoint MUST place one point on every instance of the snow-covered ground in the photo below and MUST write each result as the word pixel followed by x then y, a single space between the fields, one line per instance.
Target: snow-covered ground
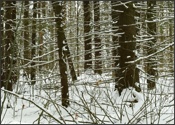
pixel 92 100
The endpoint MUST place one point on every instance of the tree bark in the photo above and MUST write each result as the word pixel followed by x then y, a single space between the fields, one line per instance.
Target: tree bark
pixel 2 47
pixel 9 75
pixel 41 33
pixel 33 51
pixel 128 73
pixel 62 57
pixel 97 40
pixel 27 52
pixel 77 43
pixel 71 66
pixel 87 36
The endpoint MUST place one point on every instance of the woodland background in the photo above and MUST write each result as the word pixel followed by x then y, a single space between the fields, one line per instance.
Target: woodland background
pixel 52 46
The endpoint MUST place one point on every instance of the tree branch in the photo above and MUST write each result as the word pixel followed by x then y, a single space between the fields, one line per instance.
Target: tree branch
pixel 145 57
pixel 44 110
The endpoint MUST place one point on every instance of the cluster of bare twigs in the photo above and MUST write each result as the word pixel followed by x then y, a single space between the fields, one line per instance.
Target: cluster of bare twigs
pixel 98 104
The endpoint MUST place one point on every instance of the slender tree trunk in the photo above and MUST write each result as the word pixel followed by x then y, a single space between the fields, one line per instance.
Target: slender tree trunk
pixel 14 44
pixel 27 52
pixel 2 62
pixel 98 62
pixel 77 39
pixel 9 75
pixel 33 52
pixel 151 63
pixel 128 74
pixel 71 66
pixel 87 36
pixel 62 57
pixel 40 48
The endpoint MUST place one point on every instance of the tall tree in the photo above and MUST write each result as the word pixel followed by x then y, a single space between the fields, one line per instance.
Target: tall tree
pixel 27 51
pixel 128 75
pixel 87 36
pixel 61 40
pixel 151 29
pixel 41 33
pixel 33 51
pixel 1 45
pixel 97 40
pixel 9 75
pixel 77 35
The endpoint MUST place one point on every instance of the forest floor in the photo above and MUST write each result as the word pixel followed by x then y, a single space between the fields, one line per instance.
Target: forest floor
pixel 92 100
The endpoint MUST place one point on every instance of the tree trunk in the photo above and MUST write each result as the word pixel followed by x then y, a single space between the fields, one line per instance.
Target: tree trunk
pixel 27 52
pixel 62 57
pixel 71 66
pixel 128 74
pixel 87 36
pixel 41 33
pixel 151 62
pixel 97 40
pixel 2 52
pixel 77 43
pixel 9 75
pixel 33 53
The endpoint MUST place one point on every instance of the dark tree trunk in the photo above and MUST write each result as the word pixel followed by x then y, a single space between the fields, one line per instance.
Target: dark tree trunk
pixel 87 36
pixel 40 48
pixel 14 45
pixel 151 62
pixel 62 57
pixel 2 51
pixel 128 75
pixel 33 53
pixel 71 66
pixel 27 52
pixel 77 46
pixel 9 75
pixel 98 62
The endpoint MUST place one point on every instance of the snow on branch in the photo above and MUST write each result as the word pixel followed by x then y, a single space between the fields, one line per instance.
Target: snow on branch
pixel 145 57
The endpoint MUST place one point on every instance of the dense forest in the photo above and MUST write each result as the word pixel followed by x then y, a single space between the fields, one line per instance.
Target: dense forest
pixel 96 62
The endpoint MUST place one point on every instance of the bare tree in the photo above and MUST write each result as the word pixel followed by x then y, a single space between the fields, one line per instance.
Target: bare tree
pixel 1 45
pixel 41 33
pixel 27 50
pixel 128 75
pixel 33 51
pixel 77 43
pixel 9 75
pixel 57 8
pixel 97 40
pixel 87 36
